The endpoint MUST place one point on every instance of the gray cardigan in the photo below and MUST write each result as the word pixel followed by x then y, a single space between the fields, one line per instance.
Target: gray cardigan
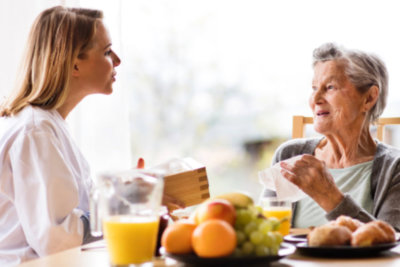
pixel 385 182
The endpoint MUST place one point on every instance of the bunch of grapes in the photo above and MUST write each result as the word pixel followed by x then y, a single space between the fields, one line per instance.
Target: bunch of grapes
pixel 256 235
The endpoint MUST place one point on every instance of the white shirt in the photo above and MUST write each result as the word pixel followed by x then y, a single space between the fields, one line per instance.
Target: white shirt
pixel 44 186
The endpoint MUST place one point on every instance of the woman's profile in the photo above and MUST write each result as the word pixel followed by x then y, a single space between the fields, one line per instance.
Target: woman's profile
pixel 44 180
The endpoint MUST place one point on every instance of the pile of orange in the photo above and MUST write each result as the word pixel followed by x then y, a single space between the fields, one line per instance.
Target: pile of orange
pixel 212 237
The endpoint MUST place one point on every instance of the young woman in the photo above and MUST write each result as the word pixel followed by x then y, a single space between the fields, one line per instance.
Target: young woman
pixel 44 179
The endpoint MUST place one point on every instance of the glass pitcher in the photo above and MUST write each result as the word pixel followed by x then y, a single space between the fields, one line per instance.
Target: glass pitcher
pixel 125 207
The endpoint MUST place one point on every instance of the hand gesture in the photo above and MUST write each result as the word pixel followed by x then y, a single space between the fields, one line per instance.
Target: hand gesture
pixel 312 176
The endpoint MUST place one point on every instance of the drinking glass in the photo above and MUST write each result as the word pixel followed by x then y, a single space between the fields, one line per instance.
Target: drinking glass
pixel 282 210
pixel 125 207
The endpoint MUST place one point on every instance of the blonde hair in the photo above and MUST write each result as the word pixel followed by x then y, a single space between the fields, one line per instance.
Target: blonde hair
pixel 58 36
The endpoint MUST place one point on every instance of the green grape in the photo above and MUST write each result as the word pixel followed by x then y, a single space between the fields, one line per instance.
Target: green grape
pixel 269 239
pixel 253 210
pixel 259 221
pixel 274 250
pixel 256 237
pixel 243 217
pixel 250 227
pixel 258 209
pixel 262 251
pixel 275 223
pixel 240 237
pixel 265 226
pixel 247 248
pixel 278 238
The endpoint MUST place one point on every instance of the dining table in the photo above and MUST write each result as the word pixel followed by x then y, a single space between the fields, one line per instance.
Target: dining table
pixel 95 254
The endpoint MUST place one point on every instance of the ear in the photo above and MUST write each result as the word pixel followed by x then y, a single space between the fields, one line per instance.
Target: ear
pixel 75 69
pixel 371 96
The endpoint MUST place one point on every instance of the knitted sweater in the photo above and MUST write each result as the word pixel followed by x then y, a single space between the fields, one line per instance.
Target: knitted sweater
pixel 385 182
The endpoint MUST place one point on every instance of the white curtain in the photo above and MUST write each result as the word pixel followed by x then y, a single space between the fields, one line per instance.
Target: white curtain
pixel 16 17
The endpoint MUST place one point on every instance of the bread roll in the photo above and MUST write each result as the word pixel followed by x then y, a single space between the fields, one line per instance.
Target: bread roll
pixel 375 232
pixel 388 229
pixel 346 221
pixel 329 235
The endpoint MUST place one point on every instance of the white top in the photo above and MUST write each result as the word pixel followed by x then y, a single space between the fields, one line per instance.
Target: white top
pixel 44 186
pixel 354 180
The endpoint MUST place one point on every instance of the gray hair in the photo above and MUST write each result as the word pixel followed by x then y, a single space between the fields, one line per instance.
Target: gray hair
pixel 363 70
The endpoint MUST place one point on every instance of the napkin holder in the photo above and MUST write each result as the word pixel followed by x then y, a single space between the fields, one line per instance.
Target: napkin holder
pixel 189 184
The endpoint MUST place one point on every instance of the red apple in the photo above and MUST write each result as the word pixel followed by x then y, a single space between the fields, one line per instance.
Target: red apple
pixel 216 209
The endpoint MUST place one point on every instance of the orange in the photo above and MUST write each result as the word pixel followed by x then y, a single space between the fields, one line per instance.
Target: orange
pixel 177 238
pixel 214 238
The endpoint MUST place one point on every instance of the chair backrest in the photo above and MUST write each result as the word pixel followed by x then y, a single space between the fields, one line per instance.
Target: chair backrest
pixel 299 123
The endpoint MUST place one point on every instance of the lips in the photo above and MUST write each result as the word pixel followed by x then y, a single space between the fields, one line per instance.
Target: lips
pixel 322 113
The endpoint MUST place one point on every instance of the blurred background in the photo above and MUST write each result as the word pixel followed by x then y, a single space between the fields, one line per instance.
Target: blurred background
pixel 215 80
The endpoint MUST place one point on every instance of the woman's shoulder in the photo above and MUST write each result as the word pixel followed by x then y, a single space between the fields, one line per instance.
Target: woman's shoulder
pixel 386 165
pixel 29 119
pixel 387 152
pixel 296 147
pixel 38 117
pixel 300 144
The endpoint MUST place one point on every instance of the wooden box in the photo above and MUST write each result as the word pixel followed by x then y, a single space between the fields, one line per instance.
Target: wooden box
pixel 191 187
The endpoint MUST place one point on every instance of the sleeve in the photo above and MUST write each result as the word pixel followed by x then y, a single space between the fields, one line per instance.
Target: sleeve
pixel 386 180
pixel 88 237
pixel 278 154
pixel 350 208
pixel 387 194
pixel 45 193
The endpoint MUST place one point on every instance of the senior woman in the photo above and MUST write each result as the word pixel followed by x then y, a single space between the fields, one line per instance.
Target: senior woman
pixel 345 172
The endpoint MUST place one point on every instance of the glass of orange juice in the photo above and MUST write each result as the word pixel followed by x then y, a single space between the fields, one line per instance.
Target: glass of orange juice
pixel 282 210
pixel 125 207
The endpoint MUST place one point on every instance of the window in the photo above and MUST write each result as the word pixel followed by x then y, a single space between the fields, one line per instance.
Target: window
pixel 220 80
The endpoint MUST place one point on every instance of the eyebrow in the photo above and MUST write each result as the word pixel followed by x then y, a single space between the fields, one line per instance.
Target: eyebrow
pixel 332 78
pixel 107 46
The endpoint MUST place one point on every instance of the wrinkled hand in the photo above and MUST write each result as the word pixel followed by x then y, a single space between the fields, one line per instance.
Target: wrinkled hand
pixel 312 176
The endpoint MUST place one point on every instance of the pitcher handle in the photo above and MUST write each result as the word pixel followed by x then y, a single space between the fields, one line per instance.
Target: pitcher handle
pixel 95 218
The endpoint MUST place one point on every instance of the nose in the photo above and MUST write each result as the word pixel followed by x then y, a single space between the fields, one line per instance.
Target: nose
pixel 316 96
pixel 116 60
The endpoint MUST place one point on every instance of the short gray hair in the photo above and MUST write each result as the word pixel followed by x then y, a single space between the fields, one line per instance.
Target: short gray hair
pixel 363 70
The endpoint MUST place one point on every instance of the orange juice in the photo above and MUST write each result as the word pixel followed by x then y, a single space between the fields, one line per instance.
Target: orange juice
pixel 280 213
pixel 130 239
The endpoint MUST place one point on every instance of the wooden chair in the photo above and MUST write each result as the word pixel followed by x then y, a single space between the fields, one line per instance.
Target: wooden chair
pixel 299 123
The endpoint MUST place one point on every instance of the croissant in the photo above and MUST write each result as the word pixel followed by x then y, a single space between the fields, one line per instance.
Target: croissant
pixel 346 221
pixel 329 235
pixel 375 232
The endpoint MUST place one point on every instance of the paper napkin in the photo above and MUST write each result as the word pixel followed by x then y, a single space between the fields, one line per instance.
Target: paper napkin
pixel 272 179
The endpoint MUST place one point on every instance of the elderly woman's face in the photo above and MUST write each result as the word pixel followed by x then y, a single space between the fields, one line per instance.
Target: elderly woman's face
pixel 335 102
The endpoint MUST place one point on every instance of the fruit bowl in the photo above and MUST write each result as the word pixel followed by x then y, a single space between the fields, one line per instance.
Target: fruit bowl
pixel 285 250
